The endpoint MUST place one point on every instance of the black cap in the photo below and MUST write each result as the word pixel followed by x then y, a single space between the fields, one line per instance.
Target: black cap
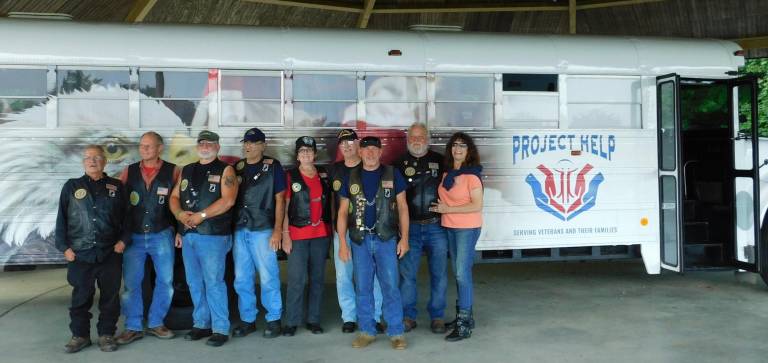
pixel 306 141
pixel 254 135
pixel 370 141
pixel 346 134
pixel 207 136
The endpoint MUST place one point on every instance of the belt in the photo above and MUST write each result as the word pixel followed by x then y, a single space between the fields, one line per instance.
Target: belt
pixel 146 229
pixel 426 221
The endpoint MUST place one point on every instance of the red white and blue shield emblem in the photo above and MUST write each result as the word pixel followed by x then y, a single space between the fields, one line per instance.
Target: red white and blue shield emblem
pixel 566 190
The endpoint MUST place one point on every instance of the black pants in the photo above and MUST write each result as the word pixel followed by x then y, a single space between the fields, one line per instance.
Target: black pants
pixel 83 276
pixel 306 255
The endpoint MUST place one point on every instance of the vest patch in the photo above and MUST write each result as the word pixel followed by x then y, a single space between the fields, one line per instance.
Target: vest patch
pixel 410 171
pixel 184 184
pixel 336 185
pixel 134 197
pixel 240 165
pixel 354 189
pixel 214 178
pixel 80 193
pixel 296 187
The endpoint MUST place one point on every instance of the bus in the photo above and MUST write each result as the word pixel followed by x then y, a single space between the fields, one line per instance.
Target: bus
pixel 593 146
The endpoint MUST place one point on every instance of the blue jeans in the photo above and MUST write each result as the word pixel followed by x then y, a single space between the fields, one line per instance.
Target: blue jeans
pixel 204 260
pixel 252 253
pixel 159 246
pixel 345 287
pixel 461 246
pixel 432 239
pixel 377 258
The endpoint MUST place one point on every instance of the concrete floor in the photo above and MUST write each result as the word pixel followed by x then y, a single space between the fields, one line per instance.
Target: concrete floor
pixel 550 312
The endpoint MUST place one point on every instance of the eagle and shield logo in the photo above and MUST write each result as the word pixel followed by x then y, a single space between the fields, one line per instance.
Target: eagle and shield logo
pixel 566 189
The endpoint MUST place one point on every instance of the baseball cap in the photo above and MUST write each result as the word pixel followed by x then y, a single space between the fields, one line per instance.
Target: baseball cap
pixel 346 134
pixel 306 141
pixel 370 141
pixel 254 135
pixel 207 136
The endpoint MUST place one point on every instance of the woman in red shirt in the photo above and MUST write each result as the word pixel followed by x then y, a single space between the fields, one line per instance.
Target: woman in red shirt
pixel 306 232
pixel 460 203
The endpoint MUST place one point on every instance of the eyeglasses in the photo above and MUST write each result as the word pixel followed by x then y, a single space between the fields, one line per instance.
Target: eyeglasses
pixel 93 158
pixel 459 145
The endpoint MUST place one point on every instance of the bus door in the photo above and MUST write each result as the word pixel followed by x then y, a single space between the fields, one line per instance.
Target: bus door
pixel 670 215
pixel 742 95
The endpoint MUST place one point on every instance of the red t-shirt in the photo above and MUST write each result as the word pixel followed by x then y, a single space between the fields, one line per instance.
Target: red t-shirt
pixel 315 209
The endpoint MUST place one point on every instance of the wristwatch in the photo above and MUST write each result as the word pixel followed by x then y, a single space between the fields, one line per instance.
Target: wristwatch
pixel 202 214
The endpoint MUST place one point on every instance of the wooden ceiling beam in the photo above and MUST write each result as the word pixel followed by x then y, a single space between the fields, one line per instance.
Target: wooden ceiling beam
pixel 362 22
pixel 319 5
pixel 753 42
pixel 572 16
pixel 140 11
pixel 469 9
pixel 610 4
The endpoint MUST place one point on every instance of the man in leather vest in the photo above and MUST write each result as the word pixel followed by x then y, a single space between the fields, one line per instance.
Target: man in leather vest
pixel 202 202
pixel 345 288
pixel 374 208
pixel 151 229
pixel 89 226
pixel 259 214
pixel 423 172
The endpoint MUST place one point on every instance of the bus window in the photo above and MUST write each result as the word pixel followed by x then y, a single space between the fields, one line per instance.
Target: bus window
pixel 529 101
pixel 185 93
pixel 22 96
pixel 463 101
pixel 83 93
pixel 324 100
pixel 251 97
pixel 395 100
pixel 603 103
pixel 529 82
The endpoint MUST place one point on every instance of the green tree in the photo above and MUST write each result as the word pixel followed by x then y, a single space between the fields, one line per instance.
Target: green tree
pixel 759 67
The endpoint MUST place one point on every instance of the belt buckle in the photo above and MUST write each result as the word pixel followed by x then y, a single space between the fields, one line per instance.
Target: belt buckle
pixel 146 229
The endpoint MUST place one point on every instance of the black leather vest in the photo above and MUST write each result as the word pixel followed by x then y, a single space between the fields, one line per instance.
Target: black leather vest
pixel 299 207
pixel 386 206
pixel 148 208
pixel 201 187
pixel 422 176
pixel 95 213
pixel 255 206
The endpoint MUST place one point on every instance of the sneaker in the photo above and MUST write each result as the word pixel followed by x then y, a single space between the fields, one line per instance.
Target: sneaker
pixel 129 336
pixel 363 340
pixel 273 329
pixel 161 332
pixel 217 340
pixel 76 344
pixel 107 343
pixel 381 327
pixel 398 342
pixel 197 334
pixel 409 324
pixel 349 327
pixel 244 329
pixel 314 328
pixel 289 331
pixel 438 326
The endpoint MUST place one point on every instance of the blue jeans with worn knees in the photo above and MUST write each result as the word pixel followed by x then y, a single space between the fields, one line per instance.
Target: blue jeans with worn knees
pixel 429 238
pixel 253 254
pixel 159 247
pixel 345 286
pixel 461 246
pixel 374 257
pixel 204 261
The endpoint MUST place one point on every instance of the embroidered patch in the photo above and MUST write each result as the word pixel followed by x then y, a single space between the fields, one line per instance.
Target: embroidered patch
pixel 240 165
pixel 336 185
pixel 162 191
pixel 111 187
pixel 212 188
pixel 409 171
pixel 268 161
pixel 354 189
pixel 434 166
pixel 214 178
pixel 296 187
pixel 134 198
pixel 80 193
pixel 184 184
pixel 387 184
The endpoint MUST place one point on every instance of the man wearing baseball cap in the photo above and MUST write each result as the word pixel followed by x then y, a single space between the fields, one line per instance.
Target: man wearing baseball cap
pixel 345 288
pixel 374 207
pixel 259 213
pixel 202 202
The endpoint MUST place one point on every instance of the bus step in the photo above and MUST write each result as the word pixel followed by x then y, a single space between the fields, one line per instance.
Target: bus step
pixel 696 232
pixel 703 255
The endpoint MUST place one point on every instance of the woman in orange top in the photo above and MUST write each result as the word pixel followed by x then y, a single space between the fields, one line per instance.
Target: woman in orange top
pixel 460 203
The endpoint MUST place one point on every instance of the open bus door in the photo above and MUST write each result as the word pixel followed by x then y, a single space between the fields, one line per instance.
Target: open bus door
pixel 670 215
pixel 742 95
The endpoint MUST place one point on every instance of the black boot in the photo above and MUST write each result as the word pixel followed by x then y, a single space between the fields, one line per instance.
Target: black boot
pixel 452 324
pixel 462 329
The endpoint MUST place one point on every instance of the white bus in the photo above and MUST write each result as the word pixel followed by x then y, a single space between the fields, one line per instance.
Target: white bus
pixel 593 146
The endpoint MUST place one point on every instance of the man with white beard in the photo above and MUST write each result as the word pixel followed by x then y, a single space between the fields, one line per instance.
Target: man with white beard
pixel 423 170
pixel 89 225
pixel 202 202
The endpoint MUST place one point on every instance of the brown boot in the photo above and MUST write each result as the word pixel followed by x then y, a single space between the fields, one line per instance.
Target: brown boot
pixel 76 344
pixel 107 343
pixel 398 342
pixel 438 326
pixel 409 324
pixel 363 340
pixel 129 336
pixel 161 332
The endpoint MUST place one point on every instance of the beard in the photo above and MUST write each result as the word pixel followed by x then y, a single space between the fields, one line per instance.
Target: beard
pixel 418 150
